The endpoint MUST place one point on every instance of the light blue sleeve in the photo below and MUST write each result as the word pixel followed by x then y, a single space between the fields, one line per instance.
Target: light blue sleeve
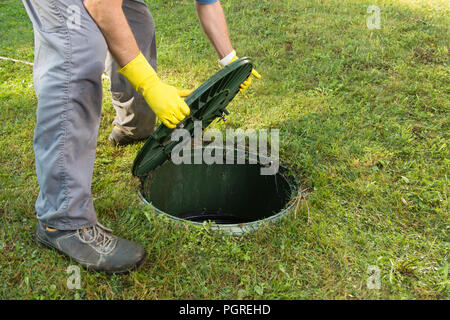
pixel 206 1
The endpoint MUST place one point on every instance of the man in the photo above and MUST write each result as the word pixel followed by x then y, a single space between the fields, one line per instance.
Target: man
pixel 73 39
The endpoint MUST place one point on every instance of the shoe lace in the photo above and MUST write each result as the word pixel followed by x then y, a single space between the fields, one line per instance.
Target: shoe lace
pixel 99 234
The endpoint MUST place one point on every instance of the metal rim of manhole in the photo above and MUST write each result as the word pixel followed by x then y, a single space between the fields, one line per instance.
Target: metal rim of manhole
pixel 208 102
pixel 219 187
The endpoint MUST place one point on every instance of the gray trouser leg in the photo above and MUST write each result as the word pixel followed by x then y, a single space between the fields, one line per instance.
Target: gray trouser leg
pixel 133 115
pixel 69 60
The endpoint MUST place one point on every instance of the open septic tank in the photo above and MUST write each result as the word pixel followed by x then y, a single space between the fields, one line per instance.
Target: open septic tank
pixel 235 197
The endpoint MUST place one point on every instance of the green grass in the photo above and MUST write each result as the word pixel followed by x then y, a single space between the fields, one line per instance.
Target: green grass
pixel 363 119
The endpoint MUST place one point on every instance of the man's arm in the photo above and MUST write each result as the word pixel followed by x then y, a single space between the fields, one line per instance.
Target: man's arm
pixel 164 100
pixel 213 21
pixel 111 20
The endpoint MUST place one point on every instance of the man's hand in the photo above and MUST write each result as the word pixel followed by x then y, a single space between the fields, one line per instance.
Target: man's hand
pixel 233 57
pixel 164 100
pixel 248 82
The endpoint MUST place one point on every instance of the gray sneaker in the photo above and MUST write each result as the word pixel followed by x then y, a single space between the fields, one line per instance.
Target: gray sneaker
pixel 94 248
pixel 118 138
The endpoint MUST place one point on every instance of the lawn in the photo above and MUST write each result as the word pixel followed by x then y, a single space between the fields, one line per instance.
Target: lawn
pixel 364 123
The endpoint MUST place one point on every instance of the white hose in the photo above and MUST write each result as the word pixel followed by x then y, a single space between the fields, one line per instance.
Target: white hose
pixel 15 60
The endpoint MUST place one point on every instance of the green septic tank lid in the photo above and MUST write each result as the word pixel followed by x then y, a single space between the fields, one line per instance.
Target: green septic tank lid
pixel 207 103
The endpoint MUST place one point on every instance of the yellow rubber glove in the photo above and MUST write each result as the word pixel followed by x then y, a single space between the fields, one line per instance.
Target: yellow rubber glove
pixel 164 100
pixel 247 82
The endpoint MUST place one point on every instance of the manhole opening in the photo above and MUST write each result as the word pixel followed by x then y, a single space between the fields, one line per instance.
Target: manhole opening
pixel 225 194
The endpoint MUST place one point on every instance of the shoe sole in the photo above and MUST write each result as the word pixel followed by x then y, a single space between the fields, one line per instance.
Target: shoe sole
pixel 47 244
